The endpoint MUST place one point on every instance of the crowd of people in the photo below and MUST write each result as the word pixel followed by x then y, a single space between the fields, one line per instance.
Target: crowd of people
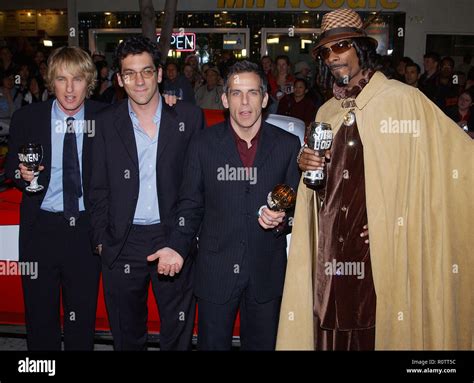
pixel 151 197
pixel 296 90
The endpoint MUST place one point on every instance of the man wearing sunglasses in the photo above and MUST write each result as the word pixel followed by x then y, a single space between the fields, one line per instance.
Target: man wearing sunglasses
pixel 138 168
pixel 400 165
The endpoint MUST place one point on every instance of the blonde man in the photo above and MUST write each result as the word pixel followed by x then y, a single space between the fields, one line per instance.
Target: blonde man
pixel 54 223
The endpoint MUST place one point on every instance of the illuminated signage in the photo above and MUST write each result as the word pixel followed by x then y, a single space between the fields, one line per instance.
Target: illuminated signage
pixel 181 41
pixel 312 4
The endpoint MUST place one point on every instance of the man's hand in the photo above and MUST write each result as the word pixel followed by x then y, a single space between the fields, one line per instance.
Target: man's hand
pixel 169 261
pixel 270 219
pixel 309 160
pixel 26 174
pixel 365 233
pixel 170 99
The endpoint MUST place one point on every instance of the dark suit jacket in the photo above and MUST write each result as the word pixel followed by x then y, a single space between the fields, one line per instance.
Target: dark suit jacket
pixel 115 176
pixel 226 211
pixel 32 123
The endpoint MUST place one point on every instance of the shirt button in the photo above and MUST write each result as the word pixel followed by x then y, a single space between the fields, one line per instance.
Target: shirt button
pixel 149 207
pixel 343 208
pixel 150 166
pixel 149 186
pixel 341 239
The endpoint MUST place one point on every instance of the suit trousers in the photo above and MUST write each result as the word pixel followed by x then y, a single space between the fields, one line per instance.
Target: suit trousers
pixel 258 321
pixel 67 268
pixel 126 287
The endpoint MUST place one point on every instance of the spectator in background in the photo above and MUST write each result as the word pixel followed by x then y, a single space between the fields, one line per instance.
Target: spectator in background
pixel 98 56
pixel 103 82
pixel 412 74
pixel 298 104
pixel 400 69
pixel 39 58
pixel 267 64
pixel 303 70
pixel 24 72
pixel 463 113
pixel 470 78
pixel 227 60
pixel 43 71
pixel 191 76
pixel 208 96
pixel 428 80
pixel 36 92
pixel 447 91
pixel 10 96
pixel 466 66
pixel 115 92
pixel 281 80
pixel 194 62
pixel 6 60
pixel 177 84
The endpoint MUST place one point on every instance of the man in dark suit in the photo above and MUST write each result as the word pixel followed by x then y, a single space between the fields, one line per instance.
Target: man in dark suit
pixel 229 171
pixel 54 223
pixel 139 160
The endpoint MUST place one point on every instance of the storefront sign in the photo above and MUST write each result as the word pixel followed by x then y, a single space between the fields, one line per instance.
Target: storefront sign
pixel 311 4
pixel 182 41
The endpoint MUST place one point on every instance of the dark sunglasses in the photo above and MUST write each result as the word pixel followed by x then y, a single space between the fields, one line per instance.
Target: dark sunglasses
pixel 338 48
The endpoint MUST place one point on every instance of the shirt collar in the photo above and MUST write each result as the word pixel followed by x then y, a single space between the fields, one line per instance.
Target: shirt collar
pixel 156 116
pixel 60 115
pixel 238 139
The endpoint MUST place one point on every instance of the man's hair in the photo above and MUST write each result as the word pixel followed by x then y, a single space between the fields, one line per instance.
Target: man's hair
pixel 246 67
pixel 303 81
pixel 175 64
pixel 406 60
pixel 76 61
pixel 136 45
pixel 415 65
pixel 366 52
pixel 283 57
pixel 432 55
pixel 448 59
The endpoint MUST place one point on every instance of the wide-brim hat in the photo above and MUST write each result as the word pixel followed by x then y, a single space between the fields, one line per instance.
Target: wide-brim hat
pixel 341 24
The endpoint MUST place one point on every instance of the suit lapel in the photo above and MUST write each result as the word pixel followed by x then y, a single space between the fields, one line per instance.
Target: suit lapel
pixel 228 147
pixel 124 127
pixel 265 144
pixel 45 138
pixel 87 139
pixel 168 123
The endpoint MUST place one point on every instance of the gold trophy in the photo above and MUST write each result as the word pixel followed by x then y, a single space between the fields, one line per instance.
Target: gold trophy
pixel 281 198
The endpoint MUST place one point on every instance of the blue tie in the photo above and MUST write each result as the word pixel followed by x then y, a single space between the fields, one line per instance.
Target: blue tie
pixel 72 190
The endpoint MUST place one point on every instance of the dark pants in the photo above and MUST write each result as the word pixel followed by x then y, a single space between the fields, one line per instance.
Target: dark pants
pixel 67 267
pixel 344 340
pixel 258 321
pixel 126 294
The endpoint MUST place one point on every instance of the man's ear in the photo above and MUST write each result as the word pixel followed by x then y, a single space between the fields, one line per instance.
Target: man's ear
pixel 225 102
pixel 119 80
pixel 160 75
pixel 265 100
